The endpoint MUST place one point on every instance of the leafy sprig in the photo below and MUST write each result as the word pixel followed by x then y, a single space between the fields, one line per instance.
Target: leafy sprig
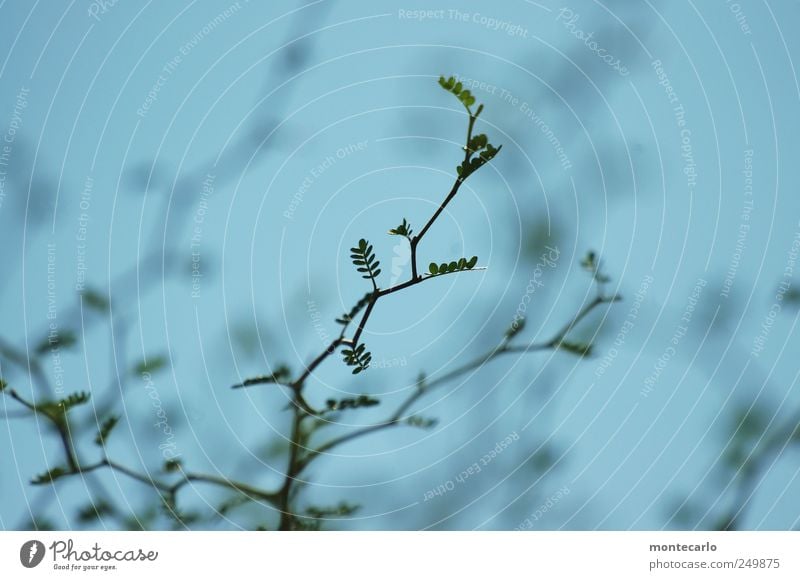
pixel 364 259
pixel 280 375
pixel 476 144
pixel 105 430
pixel 357 357
pixel 351 403
pixel 470 166
pixel 348 317
pixel 454 266
pixel 57 411
pixel 50 476
pixel 61 340
pixel 452 85
pixel 302 448
pixel 404 229
pixel 421 422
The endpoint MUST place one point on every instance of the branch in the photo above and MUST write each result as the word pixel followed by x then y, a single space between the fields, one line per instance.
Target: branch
pixel 453 191
pixel 503 348
pixel 293 469
pixel 172 489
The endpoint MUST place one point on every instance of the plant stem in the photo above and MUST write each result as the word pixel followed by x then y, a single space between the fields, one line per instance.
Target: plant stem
pixel 293 468
pixel 501 349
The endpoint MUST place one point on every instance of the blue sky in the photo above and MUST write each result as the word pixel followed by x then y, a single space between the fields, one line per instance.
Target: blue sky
pixel 265 140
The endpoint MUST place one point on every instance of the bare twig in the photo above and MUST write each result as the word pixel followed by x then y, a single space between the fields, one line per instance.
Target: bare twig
pixel 503 348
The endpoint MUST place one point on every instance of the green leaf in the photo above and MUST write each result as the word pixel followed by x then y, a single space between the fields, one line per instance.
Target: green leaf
pixel 421 422
pixel 40 524
pixel 447 84
pixel 454 266
pixel 347 317
pixel 489 153
pixel 592 264
pixel 357 357
pixel 343 509
pixel 57 411
pixel 578 348
pixel 105 429
pixel 280 375
pixel 478 142
pixel 50 476
pixel 516 327
pixel 750 423
pixel 63 339
pixel 315 516
pixel 404 229
pixel 590 261
pixel 152 365
pixel 95 300
pixel 235 501
pixel 351 403
pixel 3 385
pixel 457 88
pixel 364 260
pixel 172 465
pixel 75 399
pixel 94 511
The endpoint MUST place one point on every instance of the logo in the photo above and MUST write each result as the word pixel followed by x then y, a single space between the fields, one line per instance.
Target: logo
pixel 401 258
pixel 31 553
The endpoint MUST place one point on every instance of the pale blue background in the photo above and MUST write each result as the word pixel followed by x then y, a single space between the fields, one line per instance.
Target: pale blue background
pixel 273 90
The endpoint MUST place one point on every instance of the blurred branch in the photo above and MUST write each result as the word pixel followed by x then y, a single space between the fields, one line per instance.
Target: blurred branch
pixel 423 387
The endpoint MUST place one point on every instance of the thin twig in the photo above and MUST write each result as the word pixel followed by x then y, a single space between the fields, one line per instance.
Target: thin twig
pixel 478 362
